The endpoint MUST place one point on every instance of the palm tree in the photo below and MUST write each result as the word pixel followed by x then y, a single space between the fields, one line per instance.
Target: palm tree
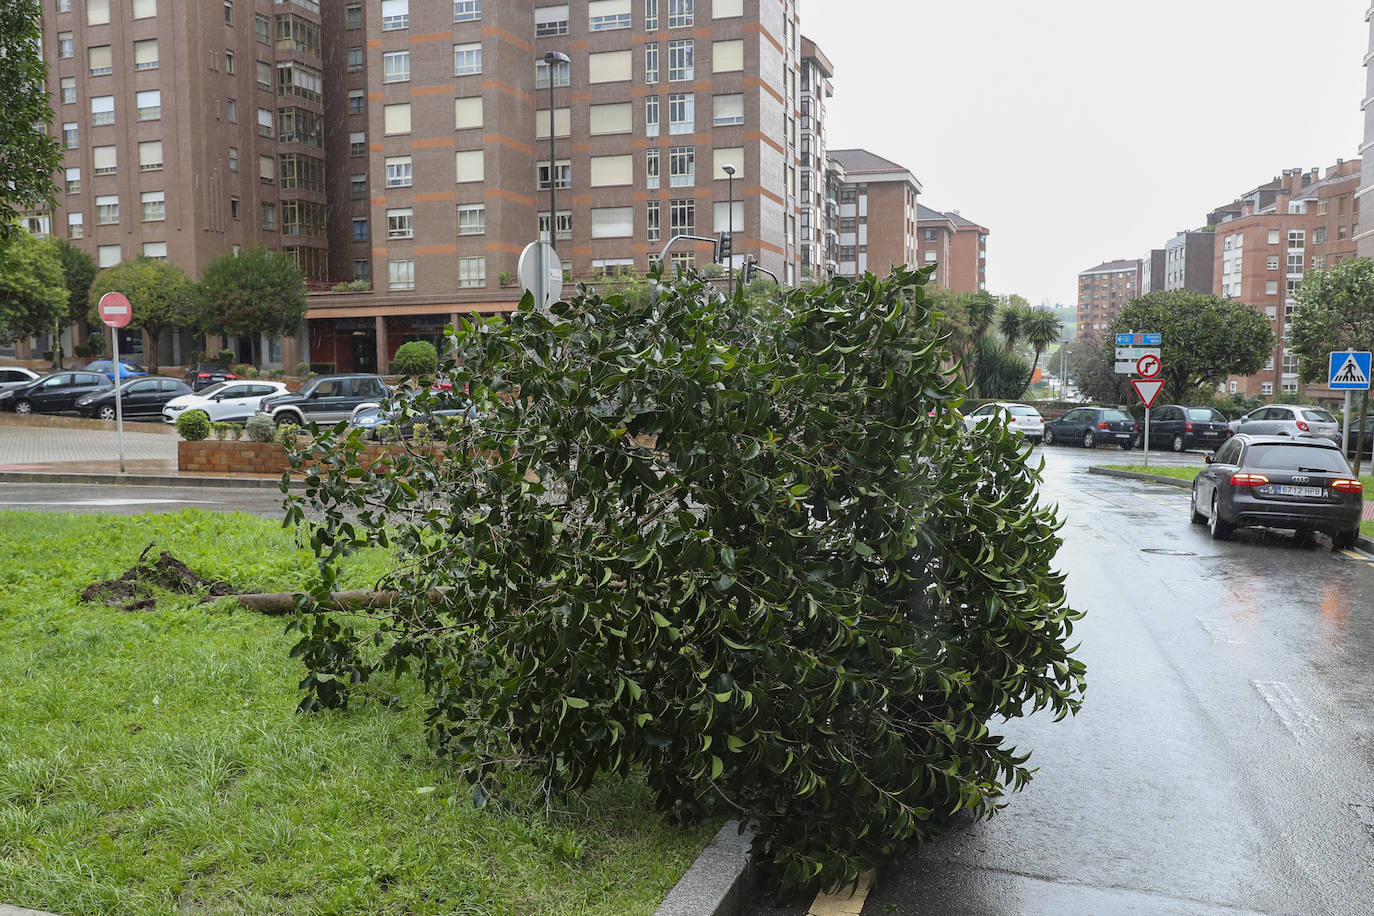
pixel 1041 328
pixel 981 308
pixel 1011 325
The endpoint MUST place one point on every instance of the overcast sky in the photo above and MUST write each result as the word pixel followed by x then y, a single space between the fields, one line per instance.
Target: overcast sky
pixel 1081 131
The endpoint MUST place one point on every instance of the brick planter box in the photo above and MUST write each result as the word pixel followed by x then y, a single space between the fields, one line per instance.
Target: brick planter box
pixel 227 458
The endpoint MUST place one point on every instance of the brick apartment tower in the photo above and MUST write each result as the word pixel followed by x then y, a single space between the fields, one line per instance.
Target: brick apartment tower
pixel 817 195
pixel 1364 235
pixel 957 246
pixel 1102 291
pixel 406 144
pixel 1267 240
pixel 877 213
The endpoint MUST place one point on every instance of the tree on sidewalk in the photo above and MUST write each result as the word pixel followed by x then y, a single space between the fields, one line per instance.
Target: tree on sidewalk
pixel 28 155
pixel 159 294
pixel 1335 312
pixel 33 292
pixel 254 293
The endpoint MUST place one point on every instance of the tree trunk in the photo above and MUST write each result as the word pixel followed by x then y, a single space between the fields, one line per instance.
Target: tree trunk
pixel 150 345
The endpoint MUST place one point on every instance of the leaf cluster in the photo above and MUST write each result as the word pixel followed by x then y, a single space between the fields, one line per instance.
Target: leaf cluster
pixel 750 554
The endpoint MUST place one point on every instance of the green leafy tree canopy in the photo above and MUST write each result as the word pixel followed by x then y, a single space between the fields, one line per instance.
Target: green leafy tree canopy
pixel 28 155
pixel 1205 337
pixel 159 293
pixel 1335 312
pixel 33 292
pixel 256 292
pixel 749 554
pixel 79 270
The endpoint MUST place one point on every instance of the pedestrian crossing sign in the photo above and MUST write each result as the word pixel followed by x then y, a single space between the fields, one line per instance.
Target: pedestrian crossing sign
pixel 1350 370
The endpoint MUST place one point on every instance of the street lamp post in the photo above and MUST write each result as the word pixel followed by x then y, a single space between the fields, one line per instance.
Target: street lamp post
pixel 729 171
pixel 552 59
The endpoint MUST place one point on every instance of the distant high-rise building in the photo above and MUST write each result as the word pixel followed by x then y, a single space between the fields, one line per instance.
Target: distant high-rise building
pixel 1364 235
pixel 877 213
pixel 1102 291
pixel 1188 260
pixel 1152 271
pixel 405 146
pixel 957 246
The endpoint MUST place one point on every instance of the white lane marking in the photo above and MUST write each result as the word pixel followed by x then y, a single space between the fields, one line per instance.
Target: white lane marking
pixel 1221 631
pixel 96 502
pixel 1300 721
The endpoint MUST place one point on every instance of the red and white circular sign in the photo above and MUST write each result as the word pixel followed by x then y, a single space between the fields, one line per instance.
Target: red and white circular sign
pixel 115 310
pixel 1149 366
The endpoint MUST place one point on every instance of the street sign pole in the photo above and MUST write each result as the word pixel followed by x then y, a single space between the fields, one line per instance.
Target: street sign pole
pixel 115 312
pixel 119 406
pixel 1345 425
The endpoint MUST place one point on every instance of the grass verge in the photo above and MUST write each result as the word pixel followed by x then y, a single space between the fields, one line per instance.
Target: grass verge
pixel 152 762
pixel 1188 473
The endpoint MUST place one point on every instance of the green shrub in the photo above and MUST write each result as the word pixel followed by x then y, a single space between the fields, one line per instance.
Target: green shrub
pixel 302 369
pixel 226 356
pixel 222 430
pixel 260 428
pixel 743 549
pixel 194 425
pixel 288 433
pixel 417 358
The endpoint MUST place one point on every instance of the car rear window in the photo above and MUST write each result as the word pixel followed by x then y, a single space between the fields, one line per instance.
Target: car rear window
pixel 1023 411
pixel 1117 415
pixel 1291 457
pixel 1205 415
pixel 1318 416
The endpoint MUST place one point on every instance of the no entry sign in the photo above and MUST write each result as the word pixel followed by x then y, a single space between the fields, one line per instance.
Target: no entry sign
pixel 115 310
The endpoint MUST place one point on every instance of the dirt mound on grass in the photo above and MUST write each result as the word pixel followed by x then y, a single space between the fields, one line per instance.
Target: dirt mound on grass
pixel 133 591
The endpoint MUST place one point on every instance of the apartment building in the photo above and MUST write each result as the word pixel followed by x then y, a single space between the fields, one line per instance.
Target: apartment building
pixel 1267 240
pixel 1102 291
pixel 818 219
pixel 407 144
pixel 956 246
pixel 1364 236
pixel 1189 260
pixel 1152 270
pixel 877 213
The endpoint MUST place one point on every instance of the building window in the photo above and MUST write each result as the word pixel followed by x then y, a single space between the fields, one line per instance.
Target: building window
pixel 563 171
pixel 651 169
pixel 651 221
pixel 155 250
pixel 680 14
pixel 472 271
pixel 362 269
pixel 398 172
pixel 267 169
pixel 357 102
pixel 264 75
pixel 683 261
pixel 228 12
pixel 396 67
pixel 400 223
pixel 64 6
pixel 564 225
pixel 550 20
pixel 396 119
pixel 233 158
pixel 472 219
pixel 228 60
pixel 353 16
pixel 682 166
pixel 234 208
pixel 562 74
pixel 265 128
pixel 154 206
pixel 71 135
pixel 269 216
pixel 108 255
pixel 395 15
pixel 355 59
pixel 467 10
pixel 1319 236
pixel 1271 288
pixel 100 60
pixel 467 59
pixel 651 116
pixel 76 226
pixel 68 90
pixel 357 186
pixel 605 15
pixel 469 165
pixel 262 29
pixel 727 110
pixel 66 45
pixel 400 274
pixel 150 155
pixel 73 181
pixel 106 210
pixel 357 143
pixel 231 110
pixel 650 15
pixel 1297 238
pixel 1272 262
pixel 682 216
pixel 103 158
pixel 651 62
pixel 681 113
pixel 680 60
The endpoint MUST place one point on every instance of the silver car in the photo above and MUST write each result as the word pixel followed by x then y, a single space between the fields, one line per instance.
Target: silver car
pixel 1289 420
pixel 1019 418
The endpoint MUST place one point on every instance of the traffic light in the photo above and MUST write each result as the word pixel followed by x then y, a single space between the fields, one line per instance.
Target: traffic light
pixel 723 248
pixel 747 275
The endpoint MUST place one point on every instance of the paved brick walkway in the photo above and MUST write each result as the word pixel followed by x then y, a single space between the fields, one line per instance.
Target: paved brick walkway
pixel 84 446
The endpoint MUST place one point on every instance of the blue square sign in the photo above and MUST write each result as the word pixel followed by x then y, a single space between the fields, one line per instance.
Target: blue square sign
pixel 1350 370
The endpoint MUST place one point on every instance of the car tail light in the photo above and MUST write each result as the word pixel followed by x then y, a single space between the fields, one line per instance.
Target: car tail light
pixel 1103 425
pixel 1346 485
pixel 203 375
pixel 229 376
pixel 1302 425
pixel 1248 480
pixel 1188 427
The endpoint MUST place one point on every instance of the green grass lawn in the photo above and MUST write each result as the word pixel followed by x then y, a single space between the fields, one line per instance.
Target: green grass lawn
pixel 152 762
pixel 1188 473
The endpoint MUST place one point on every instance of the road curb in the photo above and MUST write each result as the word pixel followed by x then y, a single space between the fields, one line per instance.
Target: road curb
pixel 1362 542
pixel 146 480
pixel 7 910
pixel 719 881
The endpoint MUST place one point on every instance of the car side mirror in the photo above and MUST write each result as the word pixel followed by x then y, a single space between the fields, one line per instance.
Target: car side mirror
pixel 1209 457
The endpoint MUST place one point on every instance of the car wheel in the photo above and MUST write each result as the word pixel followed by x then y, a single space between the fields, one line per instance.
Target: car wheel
pixel 23 407
pixel 1088 440
pixel 1178 443
pixel 286 417
pixel 1049 436
pixel 1344 540
pixel 1219 528
pixel 1195 517
pixel 107 412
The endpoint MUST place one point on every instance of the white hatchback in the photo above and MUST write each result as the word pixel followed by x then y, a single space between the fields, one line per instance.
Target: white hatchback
pixel 1293 420
pixel 1019 418
pixel 225 402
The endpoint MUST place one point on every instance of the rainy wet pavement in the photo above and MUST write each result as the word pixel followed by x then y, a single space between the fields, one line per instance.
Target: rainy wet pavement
pixel 1222 759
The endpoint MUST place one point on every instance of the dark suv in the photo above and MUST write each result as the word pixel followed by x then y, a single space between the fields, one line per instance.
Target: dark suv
pixel 203 375
pixel 1180 427
pixel 325 399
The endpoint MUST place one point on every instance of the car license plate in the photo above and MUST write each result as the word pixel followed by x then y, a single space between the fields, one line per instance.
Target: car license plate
pixel 1209 432
pixel 1286 490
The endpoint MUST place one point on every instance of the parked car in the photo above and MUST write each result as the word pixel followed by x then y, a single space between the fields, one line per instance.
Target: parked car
pixel 203 375
pixel 326 399
pixel 371 418
pixel 16 377
pixel 57 392
pixel 1289 420
pixel 1304 484
pixel 1362 439
pixel 226 402
pixel 1020 418
pixel 126 369
pixel 1090 426
pixel 140 399
pixel 1180 427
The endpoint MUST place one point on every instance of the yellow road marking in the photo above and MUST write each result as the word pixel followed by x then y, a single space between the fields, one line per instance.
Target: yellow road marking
pixel 1355 555
pixel 843 903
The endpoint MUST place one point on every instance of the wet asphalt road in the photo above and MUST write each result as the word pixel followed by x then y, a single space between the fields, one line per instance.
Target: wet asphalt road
pixel 1222 762
pixel 124 499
